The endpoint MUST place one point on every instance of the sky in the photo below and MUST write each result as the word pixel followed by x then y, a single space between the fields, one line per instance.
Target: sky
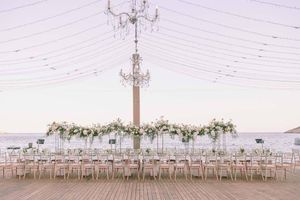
pixel 233 59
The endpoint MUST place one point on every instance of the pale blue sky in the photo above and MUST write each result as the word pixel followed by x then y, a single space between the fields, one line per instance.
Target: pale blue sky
pixel 80 41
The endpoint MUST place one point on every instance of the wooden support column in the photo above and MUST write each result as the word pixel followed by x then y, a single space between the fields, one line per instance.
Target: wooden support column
pixel 136 114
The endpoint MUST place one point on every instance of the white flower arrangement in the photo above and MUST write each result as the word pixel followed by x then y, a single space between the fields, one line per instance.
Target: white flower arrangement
pixel 151 130
pixel 216 128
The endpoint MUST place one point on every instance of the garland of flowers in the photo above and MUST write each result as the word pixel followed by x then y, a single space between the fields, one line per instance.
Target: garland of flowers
pixel 150 130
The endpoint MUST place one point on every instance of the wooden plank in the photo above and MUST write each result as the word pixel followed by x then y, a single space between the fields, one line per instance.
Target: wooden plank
pixel 12 189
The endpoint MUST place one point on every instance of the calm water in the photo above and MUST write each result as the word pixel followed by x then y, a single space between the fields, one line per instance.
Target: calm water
pixel 276 141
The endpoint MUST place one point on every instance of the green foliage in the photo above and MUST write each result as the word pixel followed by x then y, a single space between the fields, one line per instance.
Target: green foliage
pixel 150 130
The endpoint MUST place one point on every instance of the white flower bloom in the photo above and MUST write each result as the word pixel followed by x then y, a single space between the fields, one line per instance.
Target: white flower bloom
pixel 85 132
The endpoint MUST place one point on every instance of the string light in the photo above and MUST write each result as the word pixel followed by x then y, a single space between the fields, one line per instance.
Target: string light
pixel 188 56
pixel 231 27
pixel 246 62
pixel 276 4
pixel 237 15
pixel 220 59
pixel 85 56
pixel 22 6
pixel 49 18
pixel 244 55
pixel 260 43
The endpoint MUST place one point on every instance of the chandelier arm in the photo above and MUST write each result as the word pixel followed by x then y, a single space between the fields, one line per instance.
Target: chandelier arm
pixel 147 18
pixel 119 14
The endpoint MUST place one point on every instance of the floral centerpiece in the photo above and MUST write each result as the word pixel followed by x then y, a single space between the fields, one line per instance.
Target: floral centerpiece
pixel 151 130
pixel 216 128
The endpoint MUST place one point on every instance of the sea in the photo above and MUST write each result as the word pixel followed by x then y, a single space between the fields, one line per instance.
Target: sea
pixel 274 141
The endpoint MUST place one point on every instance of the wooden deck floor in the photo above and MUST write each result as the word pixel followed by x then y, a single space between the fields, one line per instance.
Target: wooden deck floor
pixel 13 189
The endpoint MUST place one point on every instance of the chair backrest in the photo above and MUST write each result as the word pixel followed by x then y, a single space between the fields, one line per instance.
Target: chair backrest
pixel 2 158
pixel 284 159
pixel 44 158
pixel 296 156
pixel 239 158
pixel 164 159
pixel 86 158
pixel 148 159
pixel 225 159
pixel 288 158
pixel 13 158
pixel 118 158
pixel 29 158
pixel 102 158
pixel 73 158
pixel 210 158
pixel 196 159
pixel 133 158
pixel 59 158
pixel 181 158
pixel 254 159
pixel 268 159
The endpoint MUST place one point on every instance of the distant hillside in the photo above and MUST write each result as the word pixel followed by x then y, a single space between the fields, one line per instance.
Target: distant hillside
pixel 294 130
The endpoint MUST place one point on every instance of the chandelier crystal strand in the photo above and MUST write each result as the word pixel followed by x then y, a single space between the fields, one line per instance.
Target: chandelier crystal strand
pixel 139 17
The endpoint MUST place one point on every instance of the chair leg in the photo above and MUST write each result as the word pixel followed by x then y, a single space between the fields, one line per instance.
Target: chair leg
pixel 230 170
pixel 159 176
pixel 40 174
pixel 175 173
pixel 235 172
pixel 68 175
pixel 246 174
pixel 284 174
pixel 266 173
pixel 201 169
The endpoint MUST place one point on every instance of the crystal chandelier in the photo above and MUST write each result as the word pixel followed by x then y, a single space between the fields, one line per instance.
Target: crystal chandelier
pixel 136 77
pixel 139 17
